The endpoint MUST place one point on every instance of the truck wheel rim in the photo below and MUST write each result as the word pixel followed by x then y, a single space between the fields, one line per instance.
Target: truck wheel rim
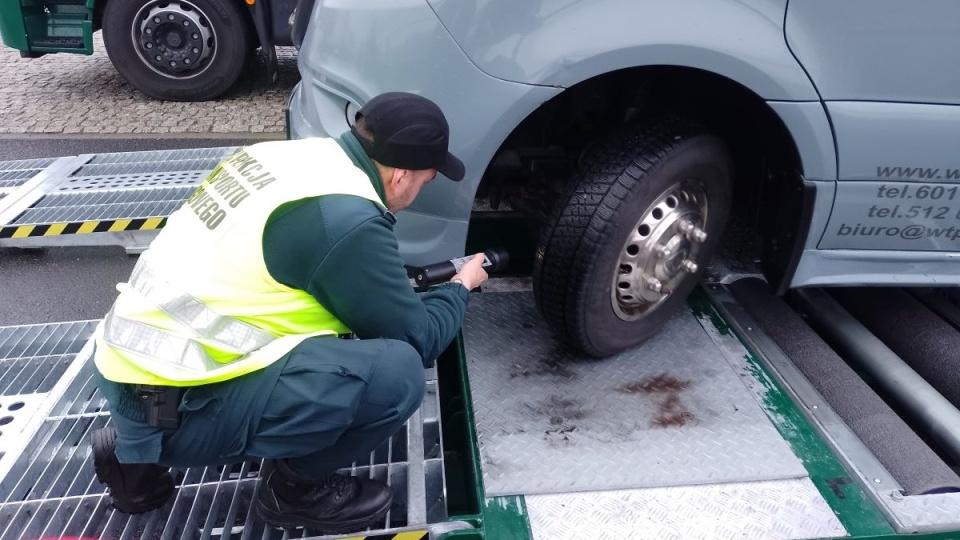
pixel 175 39
pixel 661 251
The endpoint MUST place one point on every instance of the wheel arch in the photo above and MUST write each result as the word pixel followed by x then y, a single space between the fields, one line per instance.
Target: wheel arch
pixel 773 145
pixel 562 44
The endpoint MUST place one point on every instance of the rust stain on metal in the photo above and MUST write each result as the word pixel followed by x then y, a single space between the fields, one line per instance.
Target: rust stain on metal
pixel 666 391
pixel 658 384
pixel 672 413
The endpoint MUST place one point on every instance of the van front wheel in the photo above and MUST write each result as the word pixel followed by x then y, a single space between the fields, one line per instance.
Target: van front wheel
pixel 627 243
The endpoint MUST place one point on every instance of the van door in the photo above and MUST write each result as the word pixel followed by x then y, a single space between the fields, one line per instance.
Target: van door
pixel 888 73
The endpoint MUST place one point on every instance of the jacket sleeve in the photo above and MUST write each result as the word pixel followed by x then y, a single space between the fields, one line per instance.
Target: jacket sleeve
pixel 362 281
pixel 344 252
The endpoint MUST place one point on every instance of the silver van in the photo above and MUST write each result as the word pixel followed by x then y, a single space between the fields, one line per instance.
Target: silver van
pixel 632 131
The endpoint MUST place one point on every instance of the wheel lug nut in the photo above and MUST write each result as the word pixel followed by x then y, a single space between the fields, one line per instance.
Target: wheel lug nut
pixel 662 251
pixel 654 284
pixel 691 231
pixel 689 266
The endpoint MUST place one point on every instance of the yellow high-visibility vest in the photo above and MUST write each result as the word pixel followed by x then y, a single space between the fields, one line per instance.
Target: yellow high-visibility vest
pixel 200 306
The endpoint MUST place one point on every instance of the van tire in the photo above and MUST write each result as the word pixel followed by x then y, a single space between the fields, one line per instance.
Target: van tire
pixel 619 188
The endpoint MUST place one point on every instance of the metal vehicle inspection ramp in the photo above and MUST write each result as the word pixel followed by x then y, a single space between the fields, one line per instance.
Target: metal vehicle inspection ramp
pixel 705 431
pixel 98 199
pixel 50 405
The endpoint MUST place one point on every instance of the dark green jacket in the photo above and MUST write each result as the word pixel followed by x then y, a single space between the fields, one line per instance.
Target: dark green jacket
pixel 343 251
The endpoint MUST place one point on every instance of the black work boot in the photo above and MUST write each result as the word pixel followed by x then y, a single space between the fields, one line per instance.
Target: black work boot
pixel 335 504
pixel 134 487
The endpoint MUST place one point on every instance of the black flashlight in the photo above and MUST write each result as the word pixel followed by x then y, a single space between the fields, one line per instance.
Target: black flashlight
pixel 494 260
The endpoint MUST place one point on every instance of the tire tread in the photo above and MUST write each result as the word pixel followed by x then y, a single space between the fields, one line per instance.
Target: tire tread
pixel 577 226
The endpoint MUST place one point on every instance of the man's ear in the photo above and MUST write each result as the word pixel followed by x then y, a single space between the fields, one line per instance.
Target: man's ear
pixel 399 176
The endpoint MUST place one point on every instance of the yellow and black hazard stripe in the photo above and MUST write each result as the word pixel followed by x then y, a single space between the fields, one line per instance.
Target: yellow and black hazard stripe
pixel 82 227
pixel 406 535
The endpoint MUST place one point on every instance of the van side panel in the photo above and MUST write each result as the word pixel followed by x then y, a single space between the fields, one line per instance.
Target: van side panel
pixel 899 185
pixel 879 50
pixel 887 71
pixel 562 42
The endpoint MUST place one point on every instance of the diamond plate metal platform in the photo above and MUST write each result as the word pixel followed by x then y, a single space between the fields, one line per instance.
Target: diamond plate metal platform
pixel 48 488
pixel 98 199
pixel 773 510
pixel 670 412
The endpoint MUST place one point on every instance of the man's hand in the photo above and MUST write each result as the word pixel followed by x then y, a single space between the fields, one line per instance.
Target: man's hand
pixel 472 274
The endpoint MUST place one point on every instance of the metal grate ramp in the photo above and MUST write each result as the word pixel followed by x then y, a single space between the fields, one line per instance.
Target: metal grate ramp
pixel 73 200
pixel 48 488
pixel 33 359
pixel 14 173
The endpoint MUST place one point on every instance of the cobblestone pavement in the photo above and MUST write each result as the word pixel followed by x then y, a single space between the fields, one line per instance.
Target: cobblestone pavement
pixel 74 93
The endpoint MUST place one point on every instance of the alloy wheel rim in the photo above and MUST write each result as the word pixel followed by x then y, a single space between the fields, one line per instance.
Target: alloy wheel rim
pixel 661 251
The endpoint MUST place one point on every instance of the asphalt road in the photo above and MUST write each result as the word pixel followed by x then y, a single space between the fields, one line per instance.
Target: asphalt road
pixel 71 283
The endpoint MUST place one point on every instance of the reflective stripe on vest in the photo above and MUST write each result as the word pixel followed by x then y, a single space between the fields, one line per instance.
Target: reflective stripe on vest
pixel 207 326
pixel 160 346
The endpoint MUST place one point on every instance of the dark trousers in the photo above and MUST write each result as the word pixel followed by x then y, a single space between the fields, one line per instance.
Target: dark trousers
pixel 324 405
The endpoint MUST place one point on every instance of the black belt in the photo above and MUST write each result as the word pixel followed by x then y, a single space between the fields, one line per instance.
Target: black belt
pixel 161 404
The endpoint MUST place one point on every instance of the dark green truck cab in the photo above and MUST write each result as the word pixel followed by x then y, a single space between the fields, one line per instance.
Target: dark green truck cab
pixel 178 50
pixel 36 27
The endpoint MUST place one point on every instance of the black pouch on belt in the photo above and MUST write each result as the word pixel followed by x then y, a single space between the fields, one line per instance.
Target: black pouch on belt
pixel 160 404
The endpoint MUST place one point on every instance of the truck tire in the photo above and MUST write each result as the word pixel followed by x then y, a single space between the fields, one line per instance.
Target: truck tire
pixel 177 50
pixel 632 234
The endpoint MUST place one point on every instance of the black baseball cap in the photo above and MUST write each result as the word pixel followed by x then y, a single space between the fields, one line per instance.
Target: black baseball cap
pixel 409 132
